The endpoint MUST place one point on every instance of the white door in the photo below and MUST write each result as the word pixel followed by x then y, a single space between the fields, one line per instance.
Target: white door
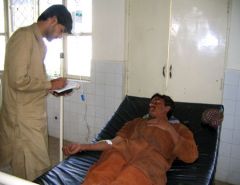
pixel 197 45
pixel 148 32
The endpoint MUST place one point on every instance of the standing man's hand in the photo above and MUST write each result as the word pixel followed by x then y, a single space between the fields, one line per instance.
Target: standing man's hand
pixel 58 83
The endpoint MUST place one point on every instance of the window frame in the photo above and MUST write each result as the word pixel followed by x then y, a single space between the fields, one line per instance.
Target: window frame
pixel 64 63
pixel 6 25
pixel 65 48
pixel 65 54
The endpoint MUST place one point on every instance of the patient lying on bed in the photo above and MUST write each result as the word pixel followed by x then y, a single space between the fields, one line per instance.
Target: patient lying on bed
pixel 142 151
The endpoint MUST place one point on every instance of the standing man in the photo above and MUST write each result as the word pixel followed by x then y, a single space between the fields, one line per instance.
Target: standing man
pixel 23 119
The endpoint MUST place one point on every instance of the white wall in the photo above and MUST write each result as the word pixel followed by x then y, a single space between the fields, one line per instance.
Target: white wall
pixel 228 168
pixel 148 33
pixel 108 29
pixel 233 59
pixel 84 119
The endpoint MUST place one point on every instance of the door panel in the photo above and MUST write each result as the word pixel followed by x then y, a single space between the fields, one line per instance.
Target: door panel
pixel 197 50
pixel 148 32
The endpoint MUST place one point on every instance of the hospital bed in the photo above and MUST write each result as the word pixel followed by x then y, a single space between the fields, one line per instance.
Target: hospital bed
pixel 73 169
pixel 7 179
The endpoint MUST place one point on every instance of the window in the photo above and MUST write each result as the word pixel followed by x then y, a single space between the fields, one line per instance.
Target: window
pixel 79 44
pixel 77 47
pixel 22 13
pixel 2 35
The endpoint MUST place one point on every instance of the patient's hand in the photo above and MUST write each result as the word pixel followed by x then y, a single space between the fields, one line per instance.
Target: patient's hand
pixel 72 149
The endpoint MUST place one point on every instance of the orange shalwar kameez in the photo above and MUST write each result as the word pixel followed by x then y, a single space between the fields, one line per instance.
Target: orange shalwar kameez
pixel 144 156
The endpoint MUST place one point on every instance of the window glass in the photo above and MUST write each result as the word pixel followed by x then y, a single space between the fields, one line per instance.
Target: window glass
pixel 2 37
pixel 79 55
pixel 78 47
pixel 43 5
pixel 2 21
pixel 2 51
pixel 52 59
pixel 22 13
pixel 81 11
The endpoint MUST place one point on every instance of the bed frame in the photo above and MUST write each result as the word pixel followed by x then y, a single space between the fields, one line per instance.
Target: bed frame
pixel 72 170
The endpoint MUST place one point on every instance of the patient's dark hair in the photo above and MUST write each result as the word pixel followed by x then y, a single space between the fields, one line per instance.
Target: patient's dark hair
pixel 63 16
pixel 168 102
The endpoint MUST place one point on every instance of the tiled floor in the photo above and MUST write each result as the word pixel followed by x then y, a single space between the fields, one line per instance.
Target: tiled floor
pixel 221 183
pixel 54 154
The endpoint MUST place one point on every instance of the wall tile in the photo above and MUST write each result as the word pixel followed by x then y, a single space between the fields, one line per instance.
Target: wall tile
pixel 118 92
pixel 235 151
pixel 111 68
pixel 238 93
pixel 110 91
pixel 90 99
pixel 103 94
pixel 90 88
pixel 229 106
pixel 221 175
pixel 228 121
pixel 237 108
pixel 234 165
pixel 100 78
pixel 100 67
pixel 225 149
pixel 99 123
pixel 232 77
pixel 100 112
pixel 236 137
pixel 234 177
pixel 100 89
pixel 222 168
pixel 118 79
pixel 99 100
pixel 109 79
pixel 109 103
pixel 234 171
pixel 229 151
pixel 91 111
pixel 226 135
pixel 237 122
pixel 230 92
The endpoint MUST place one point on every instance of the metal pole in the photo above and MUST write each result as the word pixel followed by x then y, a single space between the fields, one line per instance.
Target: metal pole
pixel 61 111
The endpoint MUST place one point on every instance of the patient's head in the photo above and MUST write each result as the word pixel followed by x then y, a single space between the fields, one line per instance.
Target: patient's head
pixel 161 104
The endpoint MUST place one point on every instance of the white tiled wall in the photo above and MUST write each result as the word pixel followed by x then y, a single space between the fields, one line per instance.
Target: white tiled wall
pixel 228 168
pixel 84 119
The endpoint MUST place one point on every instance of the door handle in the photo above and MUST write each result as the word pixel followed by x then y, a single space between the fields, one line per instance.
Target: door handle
pixel 163 71
pixel 170 71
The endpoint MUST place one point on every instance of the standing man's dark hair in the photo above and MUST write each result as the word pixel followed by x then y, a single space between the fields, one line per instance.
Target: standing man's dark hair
pixel 62 14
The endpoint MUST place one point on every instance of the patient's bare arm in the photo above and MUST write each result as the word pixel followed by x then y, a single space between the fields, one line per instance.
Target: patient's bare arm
pixel 99 146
